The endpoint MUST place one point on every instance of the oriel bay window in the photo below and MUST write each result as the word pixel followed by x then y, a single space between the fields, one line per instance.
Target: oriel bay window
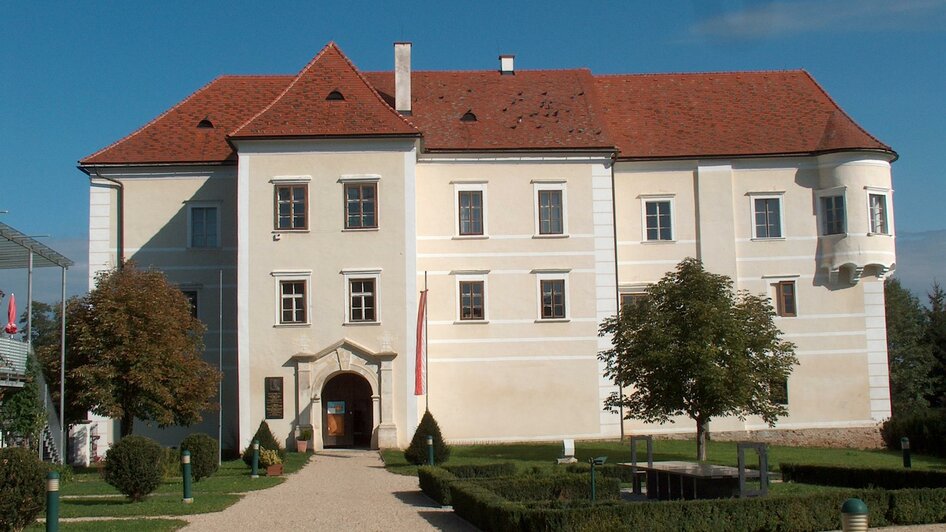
pixel 291 206
pixel 832 212
pixel 361 205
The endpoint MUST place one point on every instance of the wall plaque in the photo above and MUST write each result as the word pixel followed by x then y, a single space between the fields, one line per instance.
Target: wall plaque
pixel 274 398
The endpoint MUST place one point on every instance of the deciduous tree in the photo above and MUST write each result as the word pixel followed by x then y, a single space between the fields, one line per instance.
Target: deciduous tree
pixel 936 338
pixel 909 357
pixel 134 351
pixel 692 347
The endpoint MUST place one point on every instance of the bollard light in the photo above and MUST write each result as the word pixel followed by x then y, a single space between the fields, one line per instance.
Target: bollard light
pixel 186 467
pixel 254 473
pixel 595 461
pixel 905 445
pixel 854 516
pixel 430 450
pixel 52 501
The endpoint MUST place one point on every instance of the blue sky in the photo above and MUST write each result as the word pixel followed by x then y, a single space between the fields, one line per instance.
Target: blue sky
pixel 77 76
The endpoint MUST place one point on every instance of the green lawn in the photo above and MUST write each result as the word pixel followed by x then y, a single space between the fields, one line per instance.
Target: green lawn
pixel 138 525
pixel 83 496
pixel 543 455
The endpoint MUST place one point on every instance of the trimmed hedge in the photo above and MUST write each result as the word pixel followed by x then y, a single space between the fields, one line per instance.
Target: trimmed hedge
pixel 488 510
pixel 204 451
pixel 435 481
pixel 926 430
pixel 863 478
pixel 553 487
pixel 135 466
pixel 606 470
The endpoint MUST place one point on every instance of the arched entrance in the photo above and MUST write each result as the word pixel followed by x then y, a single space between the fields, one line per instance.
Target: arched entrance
pixel 347 419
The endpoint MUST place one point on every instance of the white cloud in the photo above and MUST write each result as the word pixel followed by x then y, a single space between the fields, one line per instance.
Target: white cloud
pixel 759 20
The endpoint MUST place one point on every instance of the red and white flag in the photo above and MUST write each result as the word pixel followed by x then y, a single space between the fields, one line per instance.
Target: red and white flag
pixel 420 361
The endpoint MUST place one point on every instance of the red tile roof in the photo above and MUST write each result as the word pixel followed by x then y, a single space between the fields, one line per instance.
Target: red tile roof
pixel 644 116
pixel 303 110
pixel 173 137
pixel 723 114
pixel 531 110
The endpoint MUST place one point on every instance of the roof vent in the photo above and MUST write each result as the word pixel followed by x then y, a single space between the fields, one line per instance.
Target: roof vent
pixel 205 124
pixel 335 96
pixel 468 117
pixel 507 64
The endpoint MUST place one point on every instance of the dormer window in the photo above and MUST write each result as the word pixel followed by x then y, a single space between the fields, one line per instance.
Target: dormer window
pixel 335 96
pixel 205 124
pixel 468 117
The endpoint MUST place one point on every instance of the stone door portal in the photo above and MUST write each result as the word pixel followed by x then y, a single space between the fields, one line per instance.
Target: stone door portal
pixel 346 411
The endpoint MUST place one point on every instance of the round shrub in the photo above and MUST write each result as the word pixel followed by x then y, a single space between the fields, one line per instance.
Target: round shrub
pixel 416 453
pixel 134 466
pixel 266 441
pixel 22 488
pixel 204 457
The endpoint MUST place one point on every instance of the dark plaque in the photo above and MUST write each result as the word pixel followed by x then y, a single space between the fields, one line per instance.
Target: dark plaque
pixel 274 398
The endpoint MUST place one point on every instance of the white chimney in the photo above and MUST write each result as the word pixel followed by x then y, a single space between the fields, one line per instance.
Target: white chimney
pixel 507 64
pixel 402 77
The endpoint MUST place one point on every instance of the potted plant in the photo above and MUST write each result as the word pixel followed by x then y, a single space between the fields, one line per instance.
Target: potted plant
pixel 302 439
pixel 271 461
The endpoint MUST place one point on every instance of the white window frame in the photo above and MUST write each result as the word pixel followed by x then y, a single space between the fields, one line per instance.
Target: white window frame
pixel 778 196
pixel 292 275
pixel 885 193
pixel 289 180
pixel 191 205
pixel 827 193
pixel 367 273
pixel 551 275
pixel 654 198
pixel 472 276
pixel 539 185
pixel 355 179
pixel 466 186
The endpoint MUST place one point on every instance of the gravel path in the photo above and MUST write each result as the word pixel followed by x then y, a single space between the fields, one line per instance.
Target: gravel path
pixel 336 490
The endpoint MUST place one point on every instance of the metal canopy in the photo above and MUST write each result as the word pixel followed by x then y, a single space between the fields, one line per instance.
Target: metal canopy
pixel 15 248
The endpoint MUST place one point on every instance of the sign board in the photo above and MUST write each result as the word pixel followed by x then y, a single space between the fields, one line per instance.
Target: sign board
pixel 335 407
pixel 274 397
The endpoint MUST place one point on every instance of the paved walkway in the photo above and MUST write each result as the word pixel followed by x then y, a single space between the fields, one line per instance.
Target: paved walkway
pixel 336 490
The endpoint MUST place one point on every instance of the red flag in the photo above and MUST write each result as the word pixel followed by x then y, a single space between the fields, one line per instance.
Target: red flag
pixel 11 314
pixel 420 361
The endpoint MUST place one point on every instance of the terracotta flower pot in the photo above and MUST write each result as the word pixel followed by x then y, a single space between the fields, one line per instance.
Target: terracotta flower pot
pixel 274 470
pixel 302 446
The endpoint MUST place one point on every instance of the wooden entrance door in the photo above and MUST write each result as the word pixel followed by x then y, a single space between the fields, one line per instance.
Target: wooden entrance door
pixel 346 411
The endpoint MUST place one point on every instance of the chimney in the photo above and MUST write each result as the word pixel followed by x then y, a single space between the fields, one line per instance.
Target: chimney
pixel 402 77
pixel 506 64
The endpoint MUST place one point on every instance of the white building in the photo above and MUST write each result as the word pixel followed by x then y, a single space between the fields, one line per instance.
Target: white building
pixel 532 202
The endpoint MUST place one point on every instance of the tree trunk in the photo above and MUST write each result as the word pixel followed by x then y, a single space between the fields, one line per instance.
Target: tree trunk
pixel 126 424
pixel 702 427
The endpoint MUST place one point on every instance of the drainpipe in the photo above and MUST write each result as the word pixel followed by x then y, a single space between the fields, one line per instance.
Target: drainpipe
pixel 617 284
pixel 120 230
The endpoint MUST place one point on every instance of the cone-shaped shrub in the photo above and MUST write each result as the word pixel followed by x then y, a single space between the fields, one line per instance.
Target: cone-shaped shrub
pixel 203 450
pixel 22 488
pixel 135 466
pixel 417 452
pixel 266 441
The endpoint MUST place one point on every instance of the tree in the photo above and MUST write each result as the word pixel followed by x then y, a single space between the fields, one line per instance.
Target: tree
pixel 909 356
pixel 133 351
pixel 936 338
pixel 21 412
pixel 45 324
pixel 692 347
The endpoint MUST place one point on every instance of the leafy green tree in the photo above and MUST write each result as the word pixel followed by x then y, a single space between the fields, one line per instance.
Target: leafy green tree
pixel 909 356
pixel 133 351
pixel 21 412
pixel 45 324
pixel 936 338
pixel 692 347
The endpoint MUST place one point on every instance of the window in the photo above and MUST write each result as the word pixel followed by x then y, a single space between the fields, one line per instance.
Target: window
pixel 779 390
pixel 471 300
pixel 191 296
pixel 553 299
pixel 203 227
pixel 361 206
pixel 550 212
pixel 471 212
pixel 362 300
pixel 631 299
pixel 767 217
pixel 785 299
pixel 292 302
pixel 832 212
pixel 658 220
pixel 551 206
pixel 292 206
pixel 877 206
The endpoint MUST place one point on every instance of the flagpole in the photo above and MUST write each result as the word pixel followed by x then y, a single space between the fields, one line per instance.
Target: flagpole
pixel 426 351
